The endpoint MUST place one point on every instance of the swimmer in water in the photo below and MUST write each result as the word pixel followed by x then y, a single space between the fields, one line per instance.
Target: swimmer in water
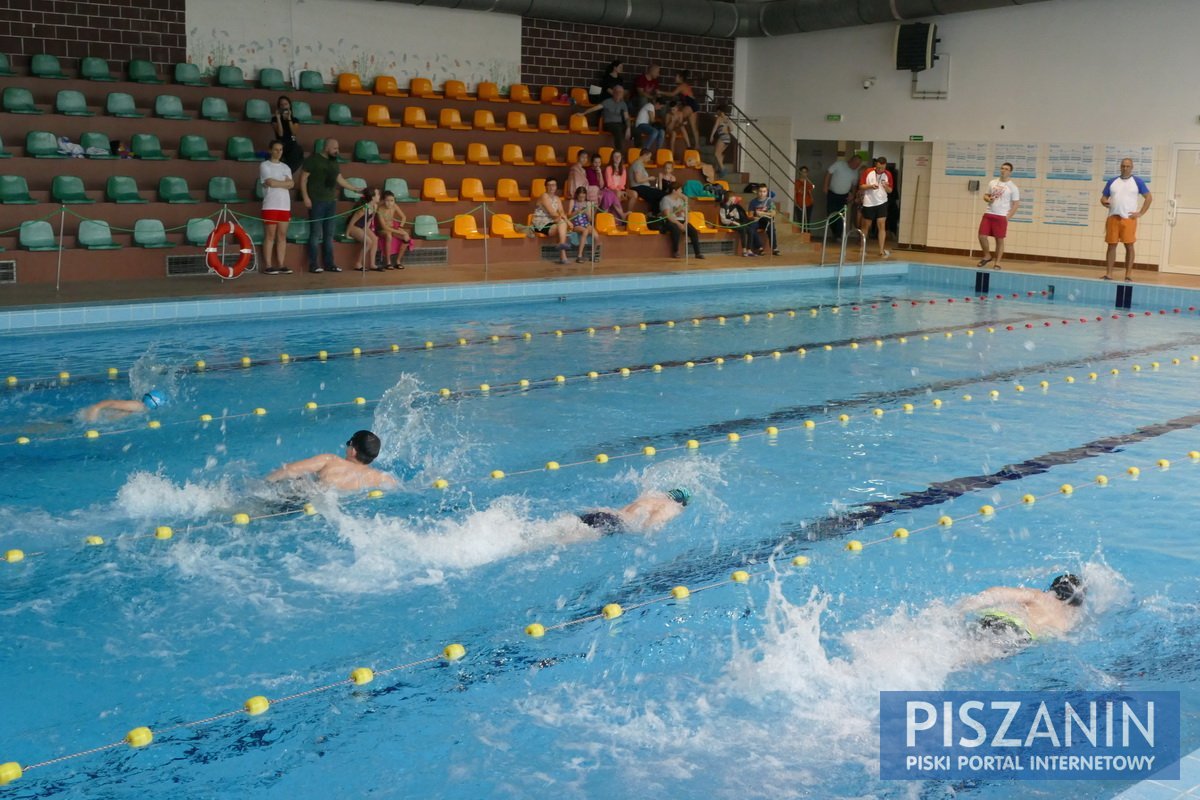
pixel 346 473
pixel 646 514
pixel 1026 615
pixel 118 409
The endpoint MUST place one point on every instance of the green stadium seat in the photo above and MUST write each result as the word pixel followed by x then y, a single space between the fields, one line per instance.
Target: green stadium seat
pixel 367 151
pixel 198 230
pixel 68 189
pixel 319 147
pixel 188 74
pixel 426 227
pixel 4 153
pixel 71 103
pixel 150 233
pixel 257 110
pixel 95 69
pixel 253 226
pixel 311 81
pixel 195 148
pixel 44 65
pixel 231 77
pixel 120 104
pixel 95 140
pixel 37 235
pixel 42 144
pixel 15 191
pixel 339 231
pixel 302 113
pixel 399 187
pixel 360 186
pixel 94 234
pixel 222 190
pixel 173 189
pixel 142 71
pixel 297 232
pixel 340 114
pixel 239 148
pixel 216 109
pixel 169 106
pixel 19 100
pixel 147 147
pixel 5 66
pixel 123 189
pixel 272 79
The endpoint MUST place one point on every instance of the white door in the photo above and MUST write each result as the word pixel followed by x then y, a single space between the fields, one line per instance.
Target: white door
pixel 1183 212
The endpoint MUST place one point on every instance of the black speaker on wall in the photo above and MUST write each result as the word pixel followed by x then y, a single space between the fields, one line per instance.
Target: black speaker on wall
pixel 916 45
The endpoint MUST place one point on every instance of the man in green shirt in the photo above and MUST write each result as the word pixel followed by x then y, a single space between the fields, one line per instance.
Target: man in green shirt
pixel 320 178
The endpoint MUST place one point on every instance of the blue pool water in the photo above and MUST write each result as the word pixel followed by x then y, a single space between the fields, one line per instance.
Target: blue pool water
pixel 766 688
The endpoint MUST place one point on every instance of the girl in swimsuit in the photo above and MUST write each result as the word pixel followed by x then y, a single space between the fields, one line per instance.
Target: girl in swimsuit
pixel 358 228
pixel 581 220
pixel 722 134
pixel 390 221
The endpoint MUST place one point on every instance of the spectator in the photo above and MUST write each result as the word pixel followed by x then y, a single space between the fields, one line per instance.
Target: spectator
pixel 361 228
pixel 390 222
pixel 577 174
pixel 277 183
pixel 803 197
pixel 667 177
pixel 722 134
pixel 320 178
pixel 675 124
pixel 611 79
pixel 293 153
pixel 614 195
pixel 548 217
pixel 674 209
pixel 689 109
pixel 595 178
pixel 841 183
pixel 762 211
pixel 732 215
pixel 643 185
pixel 581 219
pixel 614 114
pixel 652 135
pixel 645 87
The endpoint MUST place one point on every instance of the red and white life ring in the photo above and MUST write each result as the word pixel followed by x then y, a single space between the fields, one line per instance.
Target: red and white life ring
pixel 213 250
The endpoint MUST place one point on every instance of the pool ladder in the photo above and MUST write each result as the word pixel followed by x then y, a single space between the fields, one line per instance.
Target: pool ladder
pixel 862 257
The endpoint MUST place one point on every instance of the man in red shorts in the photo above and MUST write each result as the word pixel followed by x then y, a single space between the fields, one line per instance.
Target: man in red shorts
pixel 1002 198
pixel 1120 197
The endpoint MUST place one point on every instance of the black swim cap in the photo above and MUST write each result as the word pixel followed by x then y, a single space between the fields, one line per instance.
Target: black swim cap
pixel 1069 589
pixel 366 446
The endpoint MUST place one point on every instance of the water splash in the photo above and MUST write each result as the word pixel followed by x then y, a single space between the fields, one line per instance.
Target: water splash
pixel 147 494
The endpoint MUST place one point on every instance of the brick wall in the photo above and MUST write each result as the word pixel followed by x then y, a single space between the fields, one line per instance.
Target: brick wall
pixel 118 30
pixel 574 54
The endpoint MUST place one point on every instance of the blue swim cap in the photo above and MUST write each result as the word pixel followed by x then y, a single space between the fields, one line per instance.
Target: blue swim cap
pixel 154 399
pixel 681 496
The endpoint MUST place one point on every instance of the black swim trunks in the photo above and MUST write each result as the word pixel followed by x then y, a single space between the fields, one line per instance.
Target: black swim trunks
pixel 606 522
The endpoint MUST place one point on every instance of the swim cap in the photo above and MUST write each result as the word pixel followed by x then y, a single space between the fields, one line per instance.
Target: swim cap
pixel 681 496
pixel 154 399
pixel 1069 589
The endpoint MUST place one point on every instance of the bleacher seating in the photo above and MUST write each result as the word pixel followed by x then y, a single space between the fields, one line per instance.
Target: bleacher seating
pixel 95 69
pixel 44 65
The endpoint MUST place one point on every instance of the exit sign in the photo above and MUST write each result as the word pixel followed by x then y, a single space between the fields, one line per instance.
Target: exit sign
pixel 916 138
pixel 833 117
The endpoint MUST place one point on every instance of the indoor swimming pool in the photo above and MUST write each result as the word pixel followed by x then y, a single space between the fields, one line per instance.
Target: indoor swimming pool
pixel 154 579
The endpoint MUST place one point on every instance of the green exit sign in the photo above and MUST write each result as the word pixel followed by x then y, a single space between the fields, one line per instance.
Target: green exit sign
pixel 833 117
pixel 916 137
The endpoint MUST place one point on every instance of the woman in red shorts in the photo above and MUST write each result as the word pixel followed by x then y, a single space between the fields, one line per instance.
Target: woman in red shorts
pixel 276 178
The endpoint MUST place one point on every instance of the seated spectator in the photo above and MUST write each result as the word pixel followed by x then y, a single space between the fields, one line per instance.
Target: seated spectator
pixel 722 134
pixel 667 177
pixel 577 174
pixel 689 109
pixel 642 184
pixel 361 228
pixel 645 87
pixel 614 194
pixel 732 215
pixel 675 125
pixel 615 115
pixel 762 210
pixel 549 219
pixel 581 218
pixel 645 127
pixel 595 179
pixel 390 222
pixel 674 209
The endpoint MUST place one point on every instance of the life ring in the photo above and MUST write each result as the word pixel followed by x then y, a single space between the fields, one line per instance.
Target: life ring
pixel 212 250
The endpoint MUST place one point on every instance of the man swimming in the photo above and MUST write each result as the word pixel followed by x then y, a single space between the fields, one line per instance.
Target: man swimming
pixel 118 409
pixel 646 514
pixel 1027 615
pixel 346 473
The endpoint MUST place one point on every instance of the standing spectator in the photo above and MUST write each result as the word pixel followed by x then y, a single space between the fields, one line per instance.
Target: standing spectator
pixel 645 87
pixel 610 80
pixel 762 211
pixel 285 131
pixel 548 218
pixel 616 180
pixel 581 219
pixel 1120 197
pixel 674 209
pixel 320 178
pixel 803 197
pixel 577 173
pixel 841 181
pixel 732 215
pixel 643 185
pixel 361 228
pixel 390 222
pixel 277 185
pixel 875 186
pixel 614 114
pixel 652 135
pixel 722 134
pixel 1002 199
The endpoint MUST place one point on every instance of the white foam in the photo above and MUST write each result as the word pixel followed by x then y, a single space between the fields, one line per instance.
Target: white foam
pixel 147 494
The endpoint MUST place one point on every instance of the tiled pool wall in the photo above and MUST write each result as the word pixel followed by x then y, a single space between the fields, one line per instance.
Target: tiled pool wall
pixel 950 279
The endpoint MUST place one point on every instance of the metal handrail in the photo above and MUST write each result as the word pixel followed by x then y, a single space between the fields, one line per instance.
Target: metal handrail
pixel 770 150
pixel 862 258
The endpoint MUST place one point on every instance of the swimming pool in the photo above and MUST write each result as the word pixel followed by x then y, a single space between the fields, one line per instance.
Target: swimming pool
pixel 767 687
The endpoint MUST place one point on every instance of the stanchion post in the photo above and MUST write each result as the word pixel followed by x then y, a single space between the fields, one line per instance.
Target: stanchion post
pixel 62 224
pixel 486 235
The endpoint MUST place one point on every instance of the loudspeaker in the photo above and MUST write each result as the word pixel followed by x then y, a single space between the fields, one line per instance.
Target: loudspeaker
pixel 916 45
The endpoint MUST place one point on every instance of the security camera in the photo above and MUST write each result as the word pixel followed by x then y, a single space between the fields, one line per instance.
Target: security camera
pixel 868 83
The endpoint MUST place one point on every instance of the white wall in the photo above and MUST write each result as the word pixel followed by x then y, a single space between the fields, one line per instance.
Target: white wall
pixel 363 36
pixel 1104 72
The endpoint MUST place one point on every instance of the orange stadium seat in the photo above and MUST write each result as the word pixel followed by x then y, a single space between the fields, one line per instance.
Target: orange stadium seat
pixel 605 154
pixel 502 226
pixel 519 93
pixel 350 83
pixel 698 221
pixel 421 87
pixel 465 227
pixel 606 225
pixel 635 222
pixel 450 119
pixel 508 189
pixel 538 187
pixel 414 117
pixel 579 124
pixel 663 156
pixel 485 120
pixel 512 154
pixel 548 123
pixel 516 121
pixel 435 189
pixel 478 154
pixel 580 96
pixel 456 90
pixel 550 94
pixel 406 153
pixel 472 189
pixel 490 91
pixel 443 153
pixel 544 156
pixel 379 116
pixel 386 86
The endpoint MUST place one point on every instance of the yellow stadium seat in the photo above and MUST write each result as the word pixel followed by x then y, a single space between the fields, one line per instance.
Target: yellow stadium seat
pixel 698 221
pixel 443 153
pixel 549 94
pixel 579 124
pixel 414 117
pixel 631 154
pixel 484 120
pixel 502 226
pixel 538 187
pixel 386 86
pixel 519 93
pixel 605 154
pixel 472 189
pixel 465 227
pixel 421 87
pixel 516 121
pixel 406 153
pixel 548 123
pixel 691 158
pixel 478 154
pixel 508 189
pixel 663 156
pixel 457 90
pixel 350 83
pixel 606 225
pixel 580 96
pixel 512 154
pixel 635 222
pixel 490 91
pixel 573 153
pixel 379 116
pixel 544 156
pixel 450 119
pixel 435 189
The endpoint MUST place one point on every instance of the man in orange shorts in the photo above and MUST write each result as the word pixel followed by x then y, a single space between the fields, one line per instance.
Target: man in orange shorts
pixel 1120 197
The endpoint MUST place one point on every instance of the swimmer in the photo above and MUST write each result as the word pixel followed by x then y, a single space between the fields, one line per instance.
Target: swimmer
pixel 118 409
pixel 1027 615
pixel 346 473
pixel 646 514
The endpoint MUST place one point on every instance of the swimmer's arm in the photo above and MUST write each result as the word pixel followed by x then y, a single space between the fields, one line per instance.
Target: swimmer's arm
pixel 997 595
pixel 298 469
pixel 93 412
